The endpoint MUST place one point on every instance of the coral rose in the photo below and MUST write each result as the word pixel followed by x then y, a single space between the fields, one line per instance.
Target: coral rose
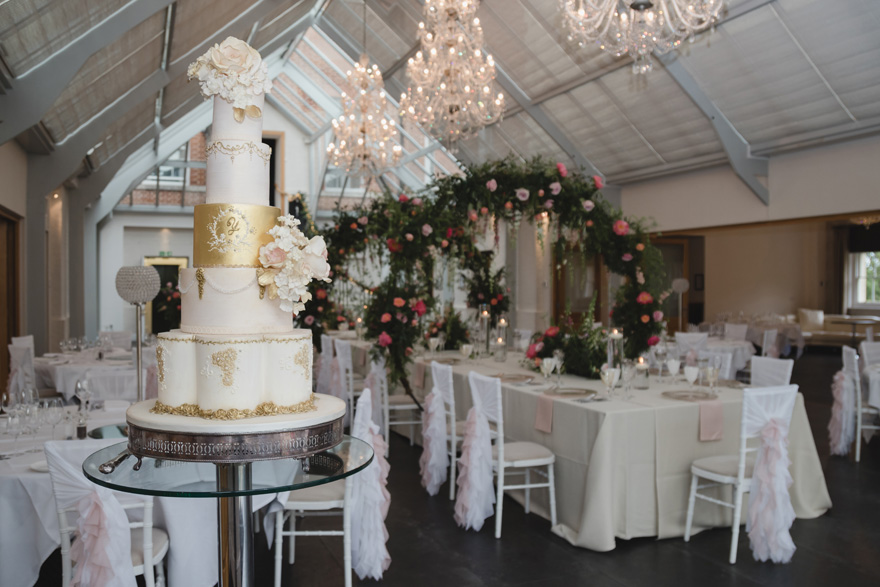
pixel 646 318
pixel 386 318
pixel 644 298
pixel 399 302
pixel 552 331
pixel 640 247
pixel 598 182
pixel 560 167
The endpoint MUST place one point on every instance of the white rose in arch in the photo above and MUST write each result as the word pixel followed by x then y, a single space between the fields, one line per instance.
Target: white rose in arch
pixel 235 56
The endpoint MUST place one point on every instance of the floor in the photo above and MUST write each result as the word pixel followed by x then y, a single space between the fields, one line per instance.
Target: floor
pixel 427 548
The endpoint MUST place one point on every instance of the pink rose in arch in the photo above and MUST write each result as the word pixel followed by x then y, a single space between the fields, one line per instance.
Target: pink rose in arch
pixel 563 172
pixel 621 228
pixel 384 339
pixel 309 320
pixel 644 298
pixel 548 204
pixel 426 229
pixel 472 215
pixel 597 180
pixel 417 201
pixel 658 316
pixel 386 317
pixel 363 220
pixel 408 236
pixel 627 257
pixel 555 188
pixel 420 308
pixel 653 340
pixel 589 205
pixel 491 185
pixel 522 194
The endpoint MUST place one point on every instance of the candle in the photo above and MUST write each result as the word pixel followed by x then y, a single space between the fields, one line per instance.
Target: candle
pixel 485 313
pixel 641 364
pixel 502 322
pixel 500 340
pixel 616 335
pixel 359 320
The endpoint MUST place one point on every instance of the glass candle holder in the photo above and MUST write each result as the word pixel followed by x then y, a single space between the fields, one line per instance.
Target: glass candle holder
pixel 499 350
pixel 484 317
pixel 615 348
pixel 640 379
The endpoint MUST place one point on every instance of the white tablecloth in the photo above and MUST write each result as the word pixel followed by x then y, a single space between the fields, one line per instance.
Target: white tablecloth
pixel 623 467
pixel 742 350
pixel 110 379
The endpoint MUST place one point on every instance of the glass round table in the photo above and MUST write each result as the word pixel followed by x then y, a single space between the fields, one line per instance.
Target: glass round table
pixel 232 483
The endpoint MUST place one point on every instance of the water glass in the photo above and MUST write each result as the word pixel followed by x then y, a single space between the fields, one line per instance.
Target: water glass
pixel 673 365
pixel 609 376
pixel 691 372
pixel 53 409
pixel 559 357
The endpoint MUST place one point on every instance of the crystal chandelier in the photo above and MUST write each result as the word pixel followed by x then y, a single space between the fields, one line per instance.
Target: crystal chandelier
pixel 450 92
pixel 367 140
pixel 637 27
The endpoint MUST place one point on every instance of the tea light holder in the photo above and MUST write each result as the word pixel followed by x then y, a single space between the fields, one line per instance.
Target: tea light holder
pixel 640 381
pixel 485 339
pixel 499 350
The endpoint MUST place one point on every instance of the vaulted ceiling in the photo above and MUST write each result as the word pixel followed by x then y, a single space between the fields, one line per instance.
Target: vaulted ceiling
pixel 82 82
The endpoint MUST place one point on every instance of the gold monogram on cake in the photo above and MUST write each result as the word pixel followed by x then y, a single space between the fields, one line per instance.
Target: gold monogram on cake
pixel 225 360
pixel 229 231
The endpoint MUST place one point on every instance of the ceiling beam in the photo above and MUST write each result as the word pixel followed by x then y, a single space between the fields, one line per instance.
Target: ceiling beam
pixel 48 171
pixel 33 93
pixel 739 154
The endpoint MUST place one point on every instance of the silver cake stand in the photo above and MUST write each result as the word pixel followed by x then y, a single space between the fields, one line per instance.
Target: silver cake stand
pixel 248 457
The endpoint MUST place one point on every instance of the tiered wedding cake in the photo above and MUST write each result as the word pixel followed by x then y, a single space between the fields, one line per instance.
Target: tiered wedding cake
pixel 236 354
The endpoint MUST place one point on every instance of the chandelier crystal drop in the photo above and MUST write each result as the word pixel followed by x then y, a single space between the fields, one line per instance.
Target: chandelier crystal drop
pixel 637 27
pixel 450 93
pixel 366 141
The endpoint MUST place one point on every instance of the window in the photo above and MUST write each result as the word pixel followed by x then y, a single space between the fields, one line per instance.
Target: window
pixel 867 267
pixel 170 175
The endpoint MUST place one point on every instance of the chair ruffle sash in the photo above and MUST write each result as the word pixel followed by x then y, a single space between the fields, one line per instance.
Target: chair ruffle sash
pixel 475 499
pixel 773 352
pixel 434 462
pixel 841 427
pixel 102 548
pixel 370 500
pixel 770 511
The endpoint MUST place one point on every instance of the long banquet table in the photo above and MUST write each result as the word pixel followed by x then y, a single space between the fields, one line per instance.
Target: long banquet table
pixel 111 379
pixel 623 467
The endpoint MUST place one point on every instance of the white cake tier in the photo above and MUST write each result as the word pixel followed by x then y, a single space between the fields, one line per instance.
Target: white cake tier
pixel 238 172
pixel 327 409
pixel 229 303
pixel 225 126
pixel 235 376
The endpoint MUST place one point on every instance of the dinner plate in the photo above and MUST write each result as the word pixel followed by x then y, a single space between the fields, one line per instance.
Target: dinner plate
pixel 514 377
pixel 40 467
pixel 687 395
pixel 448 361
pixel 586 393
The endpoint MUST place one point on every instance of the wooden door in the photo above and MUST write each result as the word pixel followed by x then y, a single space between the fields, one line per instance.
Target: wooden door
pixel 9 303
pixel 675 260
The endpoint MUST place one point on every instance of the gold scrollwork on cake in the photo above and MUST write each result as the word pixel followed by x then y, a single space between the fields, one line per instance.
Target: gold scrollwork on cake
pixel 263 409
pixel 200 277
pixel 232 151
pixel 230 235
pixel 225 359
pixel 160 360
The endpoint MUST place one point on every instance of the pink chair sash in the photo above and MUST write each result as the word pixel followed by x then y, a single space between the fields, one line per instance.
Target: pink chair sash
pixel 770 511
pixel 434 462
pixel 841 427
pixel 475 499
pixel 370 499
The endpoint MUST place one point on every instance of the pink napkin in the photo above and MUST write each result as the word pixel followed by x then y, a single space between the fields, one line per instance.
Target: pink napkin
pixel 544 414
pixel 691 358
pixel 419 377
pixel 711 420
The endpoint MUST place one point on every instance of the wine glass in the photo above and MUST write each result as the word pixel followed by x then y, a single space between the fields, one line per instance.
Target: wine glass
pixel 558 358
pixel 82 391
pixel 660 356
pixel 673 365
pixel 627 373
pixel 441 341
pixel 432 345
pixel 14 427
pixel 466 350
pixel 691 372
pixel 609 376
pixel 34 422
pixel 711 372
pixel 548 364
pixel 53 410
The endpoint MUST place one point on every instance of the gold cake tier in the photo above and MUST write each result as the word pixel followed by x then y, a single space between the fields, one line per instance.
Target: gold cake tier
pixel 230 235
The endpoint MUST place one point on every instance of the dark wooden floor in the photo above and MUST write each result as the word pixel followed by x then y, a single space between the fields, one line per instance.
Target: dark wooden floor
pixel 427 548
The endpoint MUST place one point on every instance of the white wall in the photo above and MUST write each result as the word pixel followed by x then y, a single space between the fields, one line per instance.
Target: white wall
pixel 125 240
pixel 295 177
pixel 835 179
pixel 13 170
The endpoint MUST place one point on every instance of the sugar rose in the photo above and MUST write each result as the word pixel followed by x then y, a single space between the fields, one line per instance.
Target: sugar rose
pixel 235 56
